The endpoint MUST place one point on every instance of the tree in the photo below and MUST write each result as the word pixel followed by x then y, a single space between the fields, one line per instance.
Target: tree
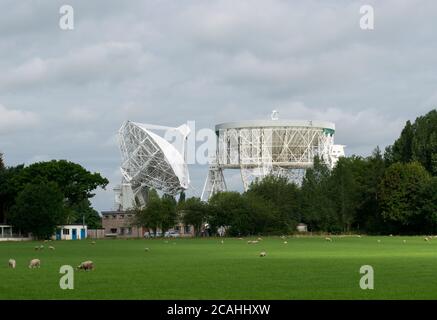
pixel 316 206
pixel 150 216
pixel 417 142
pixel 194 212
pixel 368 174
pixel 400 193
pixel 74 181
pixel 225 210
pixel 83 212
pixel 428 206
pixel 38 209
pixel 2 164
pixel 343 191
pixel 280 194
pixel 168 213
pixel 8 190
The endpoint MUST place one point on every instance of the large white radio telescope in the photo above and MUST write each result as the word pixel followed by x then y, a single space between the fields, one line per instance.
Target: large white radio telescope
pixel 262 147
pixel 150 161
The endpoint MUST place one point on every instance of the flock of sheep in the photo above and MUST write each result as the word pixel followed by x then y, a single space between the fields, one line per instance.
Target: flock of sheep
pixel 89 265
pixel 36 263
pixel 328 239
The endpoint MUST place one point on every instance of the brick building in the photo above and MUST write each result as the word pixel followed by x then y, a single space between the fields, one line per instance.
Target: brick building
pixel 120 224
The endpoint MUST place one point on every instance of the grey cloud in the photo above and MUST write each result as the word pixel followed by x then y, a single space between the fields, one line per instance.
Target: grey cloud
pixel 167 62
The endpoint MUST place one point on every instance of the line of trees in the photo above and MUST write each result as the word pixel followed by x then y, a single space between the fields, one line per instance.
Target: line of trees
pixel 390 192
pixel 394 192
pixel 37 198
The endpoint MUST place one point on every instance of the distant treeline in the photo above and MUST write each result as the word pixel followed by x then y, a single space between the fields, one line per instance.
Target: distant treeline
pixel 394 192
pixel 43 195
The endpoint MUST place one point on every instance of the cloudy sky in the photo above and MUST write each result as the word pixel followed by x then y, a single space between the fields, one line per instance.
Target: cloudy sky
pixel 64 94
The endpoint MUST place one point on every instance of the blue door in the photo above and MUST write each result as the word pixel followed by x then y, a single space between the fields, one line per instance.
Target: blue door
pixel 82 233
pixel 58 234
pixel 74 234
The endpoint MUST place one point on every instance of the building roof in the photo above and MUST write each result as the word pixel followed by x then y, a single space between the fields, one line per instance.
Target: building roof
pixel 113 212
pixel 275 123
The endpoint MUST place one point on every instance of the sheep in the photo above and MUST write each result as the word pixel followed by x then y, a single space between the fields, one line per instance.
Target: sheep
pixel 222 242
pixel 262 254
pixel 240 239
pixel 285 242
pixel 426 239
pixel 146 249
pixel 405 241
pixel 252 241
pixel 34 263
pixel 41 247
pixel 379 241
pixel 328 239
pixel 93 242
pixel 37 248
pixel 358 236
pixel 12 263
pixel 51 248
pixel 86 265
pixel 259 239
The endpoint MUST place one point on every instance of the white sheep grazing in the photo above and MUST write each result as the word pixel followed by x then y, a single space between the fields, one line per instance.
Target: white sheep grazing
pixel 12 263
pixel 35 263
pixel 51 247
pixel 285 242
pixel 93 242
pixel 262 254
pixel 86 265
pixel 379 241
pixel 259 239
pixel 426 239
pixel 240 238
pixel 41 247
pixel 146 249
pixel 358 236
pixel 328 239
pixel 222 242
pixel 36 248
pixel 405 241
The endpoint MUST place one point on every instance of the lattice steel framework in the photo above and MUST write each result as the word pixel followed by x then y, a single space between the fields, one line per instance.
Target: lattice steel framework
pixel 149 161
pixel 261 148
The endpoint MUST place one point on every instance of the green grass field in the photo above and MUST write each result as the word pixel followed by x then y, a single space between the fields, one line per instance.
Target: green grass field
pixel 305 268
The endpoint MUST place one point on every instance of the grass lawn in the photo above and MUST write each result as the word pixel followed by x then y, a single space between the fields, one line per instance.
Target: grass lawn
pixel 305 268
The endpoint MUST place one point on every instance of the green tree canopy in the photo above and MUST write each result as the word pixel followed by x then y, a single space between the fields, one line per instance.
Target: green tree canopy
pixel 283 195
pixel 75 182
pixel 194 212
pixel 417 142
pixel 400 191
pixel 39 209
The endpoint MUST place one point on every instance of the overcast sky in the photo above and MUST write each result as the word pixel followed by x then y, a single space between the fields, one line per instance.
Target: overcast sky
pixel 64 94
